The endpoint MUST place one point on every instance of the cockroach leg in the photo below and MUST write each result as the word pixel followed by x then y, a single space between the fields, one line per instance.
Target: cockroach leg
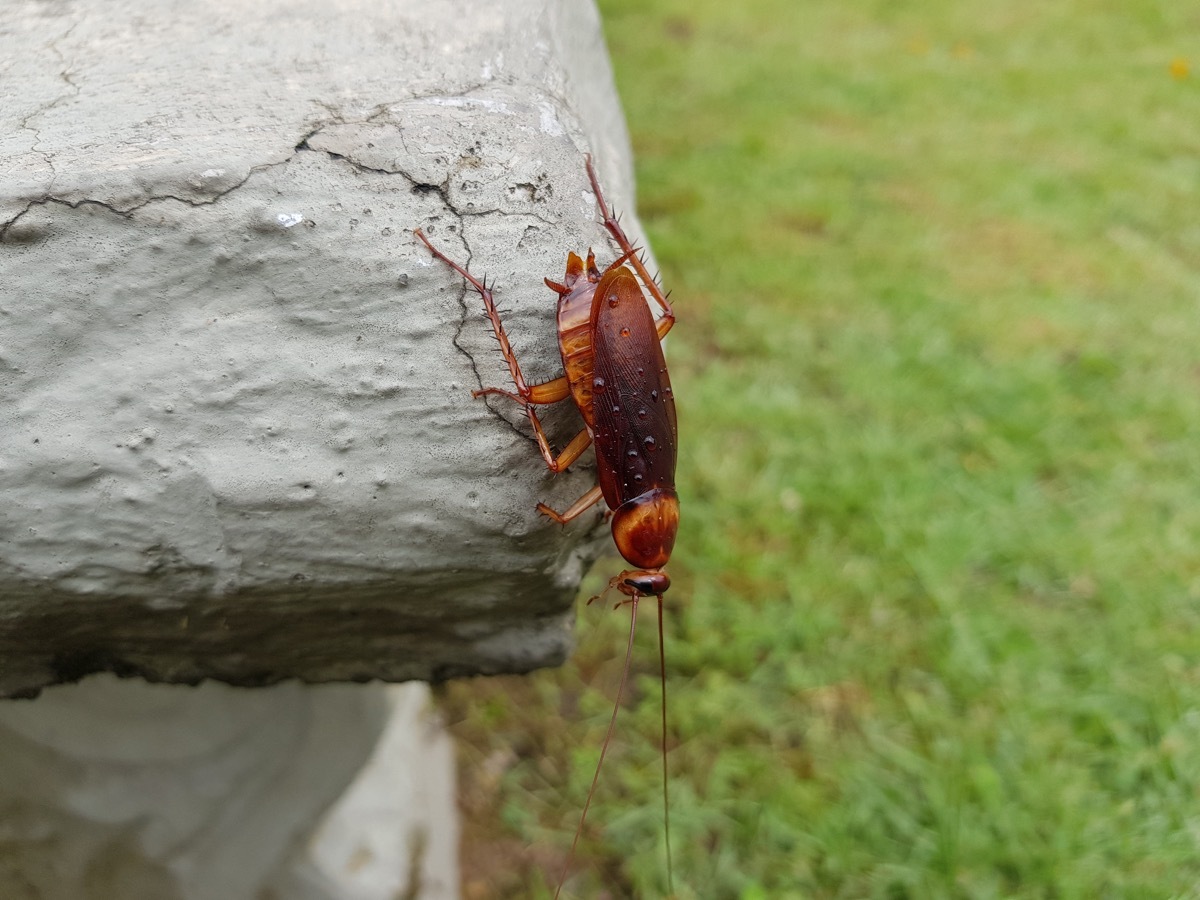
pixel 573 450
pixel 576 509
pixel 514 368
pixel 526 394
pixel 630 252
pixel 547 392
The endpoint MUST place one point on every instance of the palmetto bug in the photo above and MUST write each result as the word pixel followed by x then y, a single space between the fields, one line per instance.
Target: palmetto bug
pixel 615 372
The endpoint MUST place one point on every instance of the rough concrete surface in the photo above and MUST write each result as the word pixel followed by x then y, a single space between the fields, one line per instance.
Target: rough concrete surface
pixel 236 433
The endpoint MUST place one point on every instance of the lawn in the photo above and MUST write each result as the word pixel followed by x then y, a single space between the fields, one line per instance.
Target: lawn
pixel 934 630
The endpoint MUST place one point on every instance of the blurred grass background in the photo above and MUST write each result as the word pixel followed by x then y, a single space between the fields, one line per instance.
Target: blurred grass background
pixel 935 623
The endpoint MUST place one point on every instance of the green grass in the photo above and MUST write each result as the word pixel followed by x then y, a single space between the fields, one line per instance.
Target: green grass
pixel 935 623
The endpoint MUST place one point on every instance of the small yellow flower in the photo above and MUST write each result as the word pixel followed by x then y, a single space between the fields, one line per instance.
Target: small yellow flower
pixel 1179 68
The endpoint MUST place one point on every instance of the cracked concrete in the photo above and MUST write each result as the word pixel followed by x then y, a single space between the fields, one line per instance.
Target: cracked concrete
pixel 236 433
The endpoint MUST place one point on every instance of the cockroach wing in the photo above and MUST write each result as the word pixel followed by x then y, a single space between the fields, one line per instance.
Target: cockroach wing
pixel 635 428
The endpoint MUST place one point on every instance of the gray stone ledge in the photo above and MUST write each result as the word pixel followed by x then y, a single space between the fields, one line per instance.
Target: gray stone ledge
pixel 236 433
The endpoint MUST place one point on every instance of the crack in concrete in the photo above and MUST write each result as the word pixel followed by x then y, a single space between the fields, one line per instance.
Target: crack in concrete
pixel 336 118
pixel 465 308
pixel 65 76
pixel 442 190
pixel 302 146
pixel 127 212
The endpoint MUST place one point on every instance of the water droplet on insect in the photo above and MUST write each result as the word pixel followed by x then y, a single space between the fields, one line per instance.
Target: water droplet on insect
pixel 616 408
pixel 632 454
pixel 598 384
pixel 613 301
pixel 654 395
pixel 642 413
pixel 649 442
pixel 641 371
pixel 637 478
pixel 624 332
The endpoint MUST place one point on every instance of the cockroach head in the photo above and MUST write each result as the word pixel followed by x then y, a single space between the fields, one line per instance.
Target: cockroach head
pixel 646 583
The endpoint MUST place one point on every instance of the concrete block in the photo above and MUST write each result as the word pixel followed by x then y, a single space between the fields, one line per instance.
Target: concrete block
pixel 236 433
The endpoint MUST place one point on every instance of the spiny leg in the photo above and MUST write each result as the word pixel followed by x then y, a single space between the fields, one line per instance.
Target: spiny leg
pixel 547 392
pixel 628 250
pixel 580 506
pixel 485 293
pixel 572 451
pixel 527 394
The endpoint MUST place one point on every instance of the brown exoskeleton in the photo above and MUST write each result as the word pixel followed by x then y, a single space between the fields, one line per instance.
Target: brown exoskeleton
pixel 615 372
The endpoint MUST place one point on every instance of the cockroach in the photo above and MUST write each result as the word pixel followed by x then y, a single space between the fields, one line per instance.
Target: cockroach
pixel 615 372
